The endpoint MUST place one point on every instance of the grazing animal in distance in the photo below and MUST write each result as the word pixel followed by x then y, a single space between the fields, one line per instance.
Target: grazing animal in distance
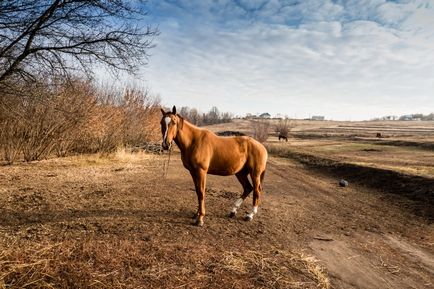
pixel 203 152
pixel 281 136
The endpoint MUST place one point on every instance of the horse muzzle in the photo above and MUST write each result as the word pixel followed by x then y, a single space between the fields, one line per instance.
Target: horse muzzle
pixel 166 146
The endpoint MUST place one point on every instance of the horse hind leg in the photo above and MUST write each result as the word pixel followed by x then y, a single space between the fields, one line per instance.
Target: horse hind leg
pixel 257 179
pixel 247 189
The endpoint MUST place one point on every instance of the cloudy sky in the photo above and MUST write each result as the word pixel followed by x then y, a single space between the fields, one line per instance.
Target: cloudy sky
pixel 346 60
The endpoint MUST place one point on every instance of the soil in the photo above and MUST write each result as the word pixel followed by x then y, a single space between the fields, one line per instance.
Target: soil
pixel 362 236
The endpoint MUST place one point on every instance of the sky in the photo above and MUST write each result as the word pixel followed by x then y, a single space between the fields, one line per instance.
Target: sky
pixel 345 60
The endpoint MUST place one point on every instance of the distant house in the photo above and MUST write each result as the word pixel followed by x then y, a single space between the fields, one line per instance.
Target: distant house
pixel 265 115
pixel 317 117
pixel 406 117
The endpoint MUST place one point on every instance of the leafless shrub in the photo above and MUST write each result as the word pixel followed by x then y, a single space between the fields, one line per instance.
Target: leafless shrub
pixel 73 117
pixel 121 118
pixel 283 127
pixel 141 117
pixel 37 120
pixel 260 129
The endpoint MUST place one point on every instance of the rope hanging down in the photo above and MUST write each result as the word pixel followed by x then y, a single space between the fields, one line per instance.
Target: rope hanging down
pixel 166 164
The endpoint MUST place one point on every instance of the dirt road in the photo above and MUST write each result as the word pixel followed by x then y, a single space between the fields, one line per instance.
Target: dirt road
pixel 134 227
pixel 365 238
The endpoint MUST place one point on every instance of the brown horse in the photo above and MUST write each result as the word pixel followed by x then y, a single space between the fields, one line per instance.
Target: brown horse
pixel 203 152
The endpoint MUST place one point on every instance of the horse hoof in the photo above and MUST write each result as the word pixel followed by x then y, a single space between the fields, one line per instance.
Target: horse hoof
pixel 248 218
pixel 199 223
pixel 232 214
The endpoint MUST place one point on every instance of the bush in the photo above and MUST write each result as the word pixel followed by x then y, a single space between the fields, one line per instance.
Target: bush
pixel 260 129
pixel 73 117
pixel 283 127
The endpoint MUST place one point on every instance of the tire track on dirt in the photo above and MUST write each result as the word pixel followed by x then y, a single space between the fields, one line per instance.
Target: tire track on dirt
pixel 352 259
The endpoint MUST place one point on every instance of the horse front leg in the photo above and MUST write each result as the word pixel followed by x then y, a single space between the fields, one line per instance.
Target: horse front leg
pixel 199 179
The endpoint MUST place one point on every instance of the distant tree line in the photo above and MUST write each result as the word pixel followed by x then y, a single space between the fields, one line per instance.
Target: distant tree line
pixel 419 116
pixel 213 116
pixel 414 116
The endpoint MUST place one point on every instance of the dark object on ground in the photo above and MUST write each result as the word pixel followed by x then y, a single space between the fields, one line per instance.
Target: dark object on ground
pixel 343 183
pixel 320 238
pixel 379 135
pixel 230 133
pixel 283 137
pixel 371 150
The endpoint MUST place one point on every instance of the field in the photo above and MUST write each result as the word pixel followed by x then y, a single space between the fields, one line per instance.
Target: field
pixel 122 221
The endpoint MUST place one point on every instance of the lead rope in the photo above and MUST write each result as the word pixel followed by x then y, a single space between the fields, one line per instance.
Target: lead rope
pixel 166 164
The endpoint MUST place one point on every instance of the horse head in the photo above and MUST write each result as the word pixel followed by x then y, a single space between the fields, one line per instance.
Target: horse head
pixel 171 122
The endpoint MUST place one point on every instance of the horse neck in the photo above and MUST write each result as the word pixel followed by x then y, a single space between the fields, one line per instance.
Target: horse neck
pixel 185 135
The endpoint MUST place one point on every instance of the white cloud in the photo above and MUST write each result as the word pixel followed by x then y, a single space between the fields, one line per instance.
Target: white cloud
pixel 349 59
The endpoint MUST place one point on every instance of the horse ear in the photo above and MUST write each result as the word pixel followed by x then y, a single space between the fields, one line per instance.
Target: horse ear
pixel 162 111
pixel 174 110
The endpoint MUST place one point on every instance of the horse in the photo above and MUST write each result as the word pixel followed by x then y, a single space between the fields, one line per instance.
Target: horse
pixel 281 136
pixel 203 152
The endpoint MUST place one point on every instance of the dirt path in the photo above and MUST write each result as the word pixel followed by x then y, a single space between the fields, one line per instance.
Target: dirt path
pixel 364 238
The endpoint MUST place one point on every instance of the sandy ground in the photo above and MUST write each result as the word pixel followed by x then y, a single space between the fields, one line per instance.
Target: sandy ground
pixel 362 237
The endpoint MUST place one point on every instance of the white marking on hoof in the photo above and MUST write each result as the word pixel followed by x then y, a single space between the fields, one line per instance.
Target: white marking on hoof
pixel 255 210
pixel 249 217
pixel 237 204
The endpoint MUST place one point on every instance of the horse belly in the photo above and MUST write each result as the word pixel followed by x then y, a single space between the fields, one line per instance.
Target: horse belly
pixel 226 165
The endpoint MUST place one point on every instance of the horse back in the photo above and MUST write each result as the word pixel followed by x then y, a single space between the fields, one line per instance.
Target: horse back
pixel 229 155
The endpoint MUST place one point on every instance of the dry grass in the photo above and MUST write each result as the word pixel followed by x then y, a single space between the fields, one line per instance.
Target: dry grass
pixel 277 269
pixel 111 221
pixel 139 263
pixel 408 160
pixel 78 264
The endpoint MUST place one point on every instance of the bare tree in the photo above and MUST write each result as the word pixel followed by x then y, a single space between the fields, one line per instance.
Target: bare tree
pixel 213 116
pixel 283 127
pixel 63 37
pixel 260 129
pixel 194 116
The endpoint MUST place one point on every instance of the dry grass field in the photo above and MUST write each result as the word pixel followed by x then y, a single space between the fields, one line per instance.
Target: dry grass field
pixel 116 221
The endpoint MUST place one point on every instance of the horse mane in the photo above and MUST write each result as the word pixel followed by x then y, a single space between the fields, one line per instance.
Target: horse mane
pixel 181 121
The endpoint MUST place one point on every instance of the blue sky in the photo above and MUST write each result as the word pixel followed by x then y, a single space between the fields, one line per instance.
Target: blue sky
pixel 347 60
